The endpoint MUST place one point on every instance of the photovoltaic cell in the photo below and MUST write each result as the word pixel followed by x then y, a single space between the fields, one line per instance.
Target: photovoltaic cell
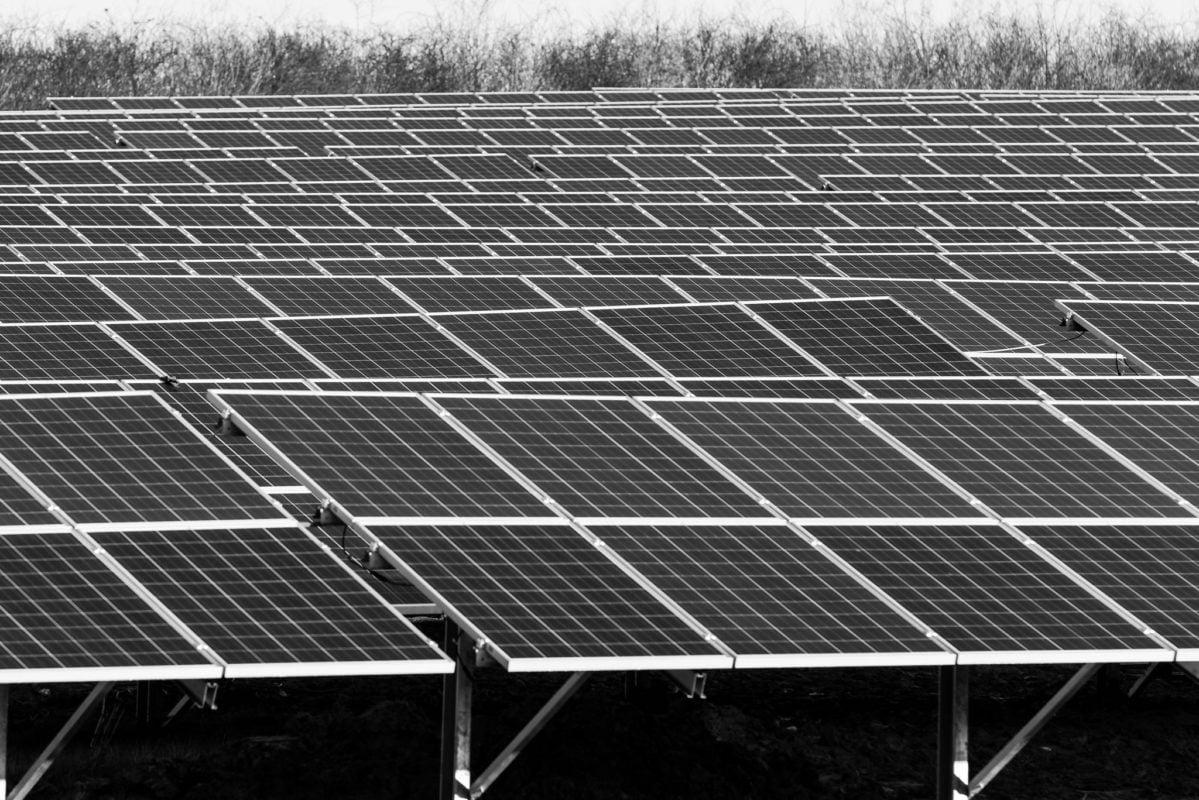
pixel 384 455
pixel 179 297
pixel 1158 334
pixel 935 307
pixel 468 293
pixel 266 597
pixel 43 298
pixel 981 589
pixel 706 340
pixel 1148 569
pixel 1020 460
pixel 763 591
pixel 546 344
pixel 543 592
pixel 65 352
pixel 865 337
pixel 1159 438
pixel 601 458
pixel 1125 387
pixel 63 610
pixel 577 290
pixel 228 348
pixel 381 347
pixel 123 458
pixel 813 459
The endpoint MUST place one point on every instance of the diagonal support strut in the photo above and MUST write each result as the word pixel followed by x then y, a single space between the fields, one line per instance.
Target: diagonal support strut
pixel 526 734
pixel 48 756
pixel 1032 727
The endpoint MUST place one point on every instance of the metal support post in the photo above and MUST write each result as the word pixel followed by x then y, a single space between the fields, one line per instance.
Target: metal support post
pixel 1022 737
pixel 60 741
pixel 1151 672
pixel 953 704
pixel 463 694
pixel 144 706
pixel 4 740
pixel 456 716
pixel 531 729
pixel 449 645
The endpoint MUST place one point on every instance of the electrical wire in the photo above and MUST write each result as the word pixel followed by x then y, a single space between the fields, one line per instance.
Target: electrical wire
pixel 1040 344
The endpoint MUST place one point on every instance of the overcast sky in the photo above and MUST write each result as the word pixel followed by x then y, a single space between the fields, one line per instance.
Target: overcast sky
pixel 551 14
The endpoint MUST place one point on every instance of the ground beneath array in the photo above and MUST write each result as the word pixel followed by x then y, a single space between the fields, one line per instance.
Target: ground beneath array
pixel 863 734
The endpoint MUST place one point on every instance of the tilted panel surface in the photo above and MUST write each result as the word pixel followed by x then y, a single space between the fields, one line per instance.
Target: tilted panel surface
pixel 813 459
pixel 1021 460
pixel 385 456
pixel 601 458
pixel 123 458
pixel 266 596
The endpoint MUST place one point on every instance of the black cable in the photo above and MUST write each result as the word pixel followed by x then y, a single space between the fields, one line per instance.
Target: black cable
pixel 1039 344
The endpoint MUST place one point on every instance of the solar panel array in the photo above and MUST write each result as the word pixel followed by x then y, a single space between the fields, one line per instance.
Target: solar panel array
pixel 615 379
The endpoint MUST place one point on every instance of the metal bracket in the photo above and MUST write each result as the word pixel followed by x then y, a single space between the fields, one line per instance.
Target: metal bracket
pixel 693 684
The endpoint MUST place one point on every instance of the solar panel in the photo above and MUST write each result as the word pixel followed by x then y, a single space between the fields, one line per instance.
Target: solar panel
pixel 65 351
pixel 227 348
pixel 272 602
pixel 381 347
pixel 1148 569
pixel 597 386
pixel 714 289
pixel 1155 437
pixel 813 460
pixel 706 340
pixel 1124 387
pixel 123 458
pixel 178 297
pixel 984 591
pixel 767 594
pixel 935 307
pixel 462 293
pixel 1155 334
pixel 307 295
pixel 601 458
pixel 948 388
pixel 865 337
pixel 545 344
pixel 41 298
pixel 545 598
pixel 1028 310
pixel 577 290
pixel 382 456
pixel 1021 461
pixel 68 617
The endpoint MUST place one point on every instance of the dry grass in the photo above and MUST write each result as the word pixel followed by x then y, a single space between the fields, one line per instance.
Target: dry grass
pixel 989 51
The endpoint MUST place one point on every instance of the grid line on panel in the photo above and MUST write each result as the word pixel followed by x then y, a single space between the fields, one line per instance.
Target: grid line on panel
pixel 64 610
pixel 542 592
pixel 1020 460
pixel 865 337
pixel 123 458
pixel 764 591
pixel 268 596
pixel 689 341
pixel 981 589
pixel 383 456
pixel 600 457
pixel 812 459
pixel 1157 335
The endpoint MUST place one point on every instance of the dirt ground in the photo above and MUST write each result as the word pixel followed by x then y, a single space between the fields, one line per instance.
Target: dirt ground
pixel 863 734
